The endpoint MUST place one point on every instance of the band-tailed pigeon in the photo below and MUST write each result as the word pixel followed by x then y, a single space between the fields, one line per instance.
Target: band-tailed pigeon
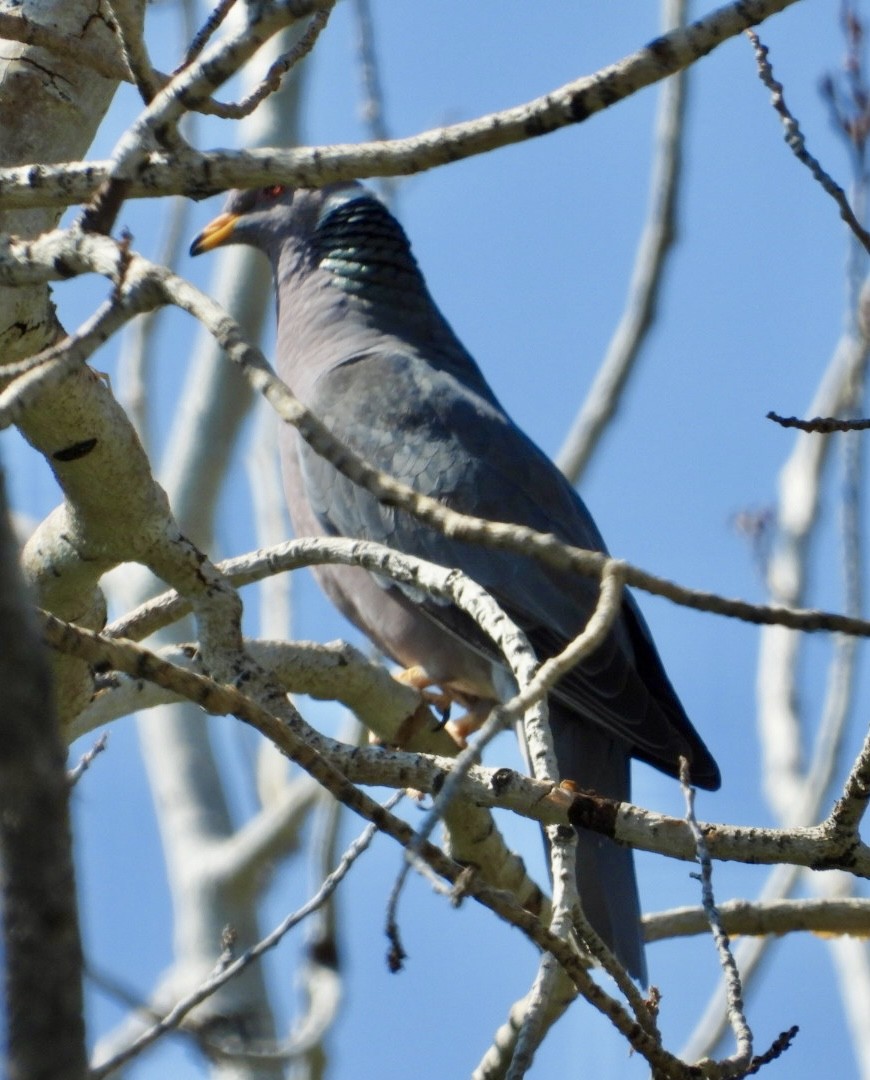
pixel 361 342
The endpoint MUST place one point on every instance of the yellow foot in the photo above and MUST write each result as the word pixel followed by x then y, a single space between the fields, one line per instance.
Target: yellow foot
pixel 443 700
pixel 470 721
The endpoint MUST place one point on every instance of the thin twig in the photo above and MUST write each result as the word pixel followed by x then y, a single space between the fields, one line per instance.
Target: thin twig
pixel 84 763
pixel 546 1002
pixel 372 107
pixel 128 27
pixel 137 347
pixel 209 27
pixel 823 425
pixel 271 82
pixel 734 989
pixel 795 139
pixel 225 972
pixel 851 807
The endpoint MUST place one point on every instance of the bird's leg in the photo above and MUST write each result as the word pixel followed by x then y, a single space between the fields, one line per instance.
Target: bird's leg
pixel 421 719
pixel 476 709
pixel 416 676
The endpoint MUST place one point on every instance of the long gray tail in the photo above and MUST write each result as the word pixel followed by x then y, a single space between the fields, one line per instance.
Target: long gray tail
pixel 605 871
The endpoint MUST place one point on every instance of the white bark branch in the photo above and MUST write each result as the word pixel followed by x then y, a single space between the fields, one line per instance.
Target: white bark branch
pixel 148 175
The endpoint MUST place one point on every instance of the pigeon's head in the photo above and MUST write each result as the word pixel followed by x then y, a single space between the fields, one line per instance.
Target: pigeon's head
pixel 265 217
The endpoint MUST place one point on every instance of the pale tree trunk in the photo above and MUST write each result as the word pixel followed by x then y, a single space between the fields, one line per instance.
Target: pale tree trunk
pixel 50 109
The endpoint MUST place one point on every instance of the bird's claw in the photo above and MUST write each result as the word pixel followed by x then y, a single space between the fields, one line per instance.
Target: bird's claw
pixel 442 701
pixel 439 700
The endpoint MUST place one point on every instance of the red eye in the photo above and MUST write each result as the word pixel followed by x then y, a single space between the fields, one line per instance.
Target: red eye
pixel 274 192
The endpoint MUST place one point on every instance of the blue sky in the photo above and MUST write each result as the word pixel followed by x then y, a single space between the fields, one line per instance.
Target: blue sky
pixel 528 251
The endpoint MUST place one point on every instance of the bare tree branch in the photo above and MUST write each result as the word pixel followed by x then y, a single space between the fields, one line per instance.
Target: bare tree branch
pixel 797 144
pixel 748 917
pixel 147 175
pixel 229 970
pixel 654 247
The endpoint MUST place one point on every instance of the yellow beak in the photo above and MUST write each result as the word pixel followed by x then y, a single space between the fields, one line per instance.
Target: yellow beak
pixel 217 232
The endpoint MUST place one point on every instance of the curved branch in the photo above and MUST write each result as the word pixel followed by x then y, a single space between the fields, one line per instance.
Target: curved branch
pixel 62 253
pixel 202 174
